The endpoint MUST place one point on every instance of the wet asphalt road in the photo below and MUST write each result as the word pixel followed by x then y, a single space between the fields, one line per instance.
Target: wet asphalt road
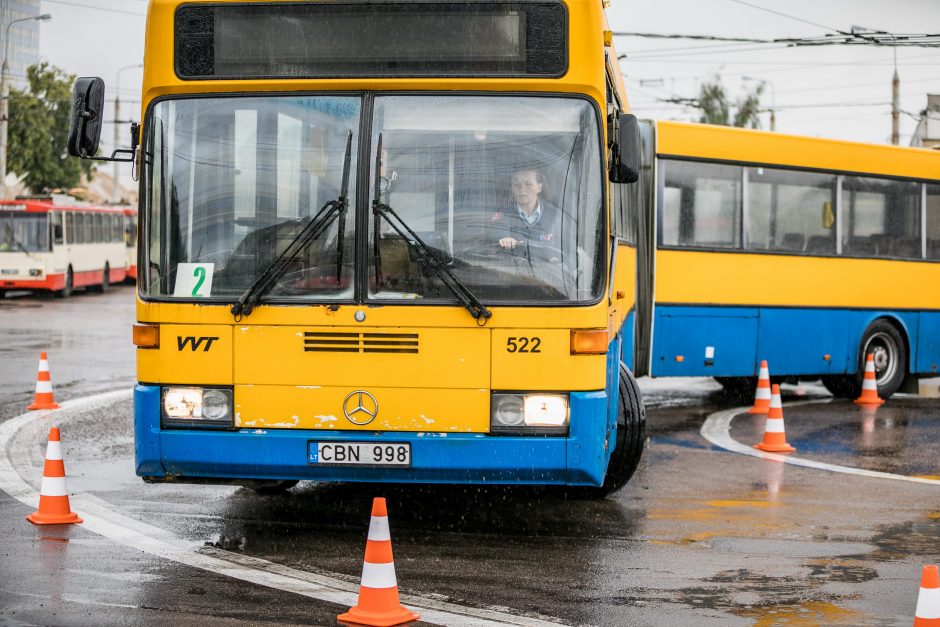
pixel 700 536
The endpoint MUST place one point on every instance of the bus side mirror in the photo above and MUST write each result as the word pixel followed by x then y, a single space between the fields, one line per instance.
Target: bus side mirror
pixel 86 117
pixel 625 151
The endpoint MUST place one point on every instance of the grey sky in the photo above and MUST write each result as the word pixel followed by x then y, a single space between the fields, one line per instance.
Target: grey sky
pixel 854 83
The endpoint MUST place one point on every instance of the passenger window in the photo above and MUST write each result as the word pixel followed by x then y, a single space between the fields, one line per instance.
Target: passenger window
pixel 791 211
pixel 88 220
pixel 57 227
pixel 70 228
pixel 933 222
pixel 701 205
pixel 882 218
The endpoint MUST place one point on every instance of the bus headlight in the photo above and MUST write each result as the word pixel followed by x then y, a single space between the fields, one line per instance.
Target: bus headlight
pixel 191 406
pixel 529 413
pixel 35 272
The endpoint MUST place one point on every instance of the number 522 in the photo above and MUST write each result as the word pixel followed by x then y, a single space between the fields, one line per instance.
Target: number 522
pixel 523 345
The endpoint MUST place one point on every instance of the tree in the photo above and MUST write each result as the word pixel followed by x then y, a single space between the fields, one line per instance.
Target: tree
pixel 716 109
pixel 39 128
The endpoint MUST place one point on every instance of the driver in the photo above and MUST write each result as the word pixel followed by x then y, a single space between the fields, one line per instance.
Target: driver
pixel 531 218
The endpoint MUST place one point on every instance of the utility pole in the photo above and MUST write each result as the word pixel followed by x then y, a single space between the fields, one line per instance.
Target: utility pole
pixel 895 108
pixel 115 185
pixel 5 96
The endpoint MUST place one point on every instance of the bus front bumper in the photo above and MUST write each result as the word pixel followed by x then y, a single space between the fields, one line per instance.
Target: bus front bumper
pixel 580 458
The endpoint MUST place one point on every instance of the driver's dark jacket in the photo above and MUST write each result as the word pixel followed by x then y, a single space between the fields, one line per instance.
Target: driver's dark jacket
pixel 546 230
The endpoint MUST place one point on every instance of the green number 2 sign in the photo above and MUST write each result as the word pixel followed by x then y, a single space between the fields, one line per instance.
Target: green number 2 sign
pixel 200 274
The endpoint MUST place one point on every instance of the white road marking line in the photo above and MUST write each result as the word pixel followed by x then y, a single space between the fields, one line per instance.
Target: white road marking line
pixel 717 430
pixel 100 518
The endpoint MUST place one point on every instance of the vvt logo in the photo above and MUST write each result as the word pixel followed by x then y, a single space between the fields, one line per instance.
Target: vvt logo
pixel 194 342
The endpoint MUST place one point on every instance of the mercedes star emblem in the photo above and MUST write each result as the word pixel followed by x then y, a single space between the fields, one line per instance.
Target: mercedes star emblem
pixel 360 407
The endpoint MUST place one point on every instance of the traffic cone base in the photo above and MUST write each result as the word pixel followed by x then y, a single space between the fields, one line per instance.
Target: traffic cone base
pixel 380 618
pixel 762 394
pixel 927 613
pixel 54 508
pixel 44 398
pixel 869 396
pixel 775 439
pixel 775 448
pixel 378 604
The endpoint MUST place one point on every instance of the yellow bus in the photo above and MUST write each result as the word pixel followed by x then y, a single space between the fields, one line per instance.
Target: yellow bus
pixel 809 253
pixel 375 244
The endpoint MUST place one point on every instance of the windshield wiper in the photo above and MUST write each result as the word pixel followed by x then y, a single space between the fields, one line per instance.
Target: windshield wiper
pixel 314 227
pixel 424 252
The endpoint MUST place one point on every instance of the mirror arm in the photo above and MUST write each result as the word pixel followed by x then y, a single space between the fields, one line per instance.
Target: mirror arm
pixel 130 152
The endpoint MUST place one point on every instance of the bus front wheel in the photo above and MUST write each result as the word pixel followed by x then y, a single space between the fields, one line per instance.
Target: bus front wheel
pixel 105 280
pixel 69 286
pixel 629 439
pixel 889 351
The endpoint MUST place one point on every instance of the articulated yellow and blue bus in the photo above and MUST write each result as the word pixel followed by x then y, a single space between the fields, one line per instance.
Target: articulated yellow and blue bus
pixel 375 244
pixel 806 252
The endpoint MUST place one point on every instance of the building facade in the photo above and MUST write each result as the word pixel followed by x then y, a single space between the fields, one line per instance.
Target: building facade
pixel 927 133
pixel 23 50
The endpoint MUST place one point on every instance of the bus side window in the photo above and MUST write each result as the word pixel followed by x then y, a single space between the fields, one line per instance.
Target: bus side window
pixel 701 205
pixel 116 228
pixel 88 228
pixel 57 231
pixel 791 211
pixel 933 222
pixel 882 218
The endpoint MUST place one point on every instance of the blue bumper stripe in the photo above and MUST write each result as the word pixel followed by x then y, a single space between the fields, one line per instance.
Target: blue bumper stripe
pixel 579 459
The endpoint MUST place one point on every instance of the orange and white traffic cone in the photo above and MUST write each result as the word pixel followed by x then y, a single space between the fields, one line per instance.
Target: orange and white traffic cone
pixel 775 439
pixel 869 395
pixel 927 613
pixel 44 397
pixel 54 506
pixel 378 603
pixel 762 395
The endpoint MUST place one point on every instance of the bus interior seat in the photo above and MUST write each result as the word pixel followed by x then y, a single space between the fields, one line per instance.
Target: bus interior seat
pixel 933 249
pixel 907 248
pixel 792 241
pixel 821 244
pixel 884 244
pixel 862 246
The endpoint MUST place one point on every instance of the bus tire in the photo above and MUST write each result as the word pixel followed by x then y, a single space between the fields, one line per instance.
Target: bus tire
pixel 66 291
pixel 106 278
pixel 629 439
pixel 274 487
pixel 890 350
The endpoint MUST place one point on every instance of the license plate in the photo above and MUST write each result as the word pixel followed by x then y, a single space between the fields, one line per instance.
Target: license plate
pixel 9 271
pixel 359 454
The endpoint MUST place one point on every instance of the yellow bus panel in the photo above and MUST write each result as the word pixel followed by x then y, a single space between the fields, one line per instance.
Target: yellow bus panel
pixel 362 356
pixel 196 354
pixel 541 360
pixel 706 141
pixel 395 408
pixel 699 277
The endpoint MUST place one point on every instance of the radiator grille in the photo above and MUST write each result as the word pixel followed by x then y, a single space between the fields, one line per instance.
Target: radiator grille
pixel 326 342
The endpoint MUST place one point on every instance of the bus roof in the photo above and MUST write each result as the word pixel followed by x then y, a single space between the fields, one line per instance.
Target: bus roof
pixel 725 143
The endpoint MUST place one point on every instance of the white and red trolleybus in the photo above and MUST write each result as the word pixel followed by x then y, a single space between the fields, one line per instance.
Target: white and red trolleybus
pixel 52 246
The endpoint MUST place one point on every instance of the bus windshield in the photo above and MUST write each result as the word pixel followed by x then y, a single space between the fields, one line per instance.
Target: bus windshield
pixel 506 191
pixel 23 232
